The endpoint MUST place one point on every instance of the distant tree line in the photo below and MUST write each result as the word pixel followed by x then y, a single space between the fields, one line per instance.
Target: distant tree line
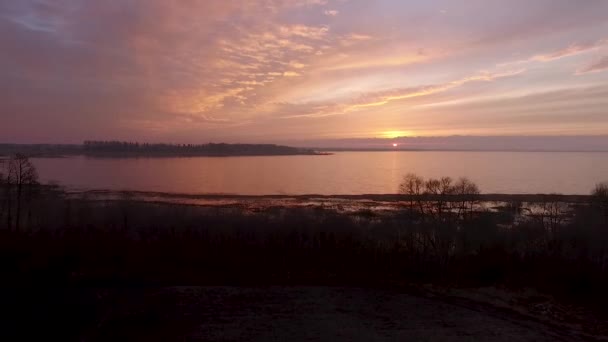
pixel 222 149
pixel 34 150
pixel 135 149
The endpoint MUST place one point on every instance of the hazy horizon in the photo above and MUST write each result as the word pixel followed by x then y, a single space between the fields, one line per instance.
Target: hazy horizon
pixel 598 143
pixel 296 70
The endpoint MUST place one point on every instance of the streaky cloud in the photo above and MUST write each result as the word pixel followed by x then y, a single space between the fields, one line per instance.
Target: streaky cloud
pixel 599 65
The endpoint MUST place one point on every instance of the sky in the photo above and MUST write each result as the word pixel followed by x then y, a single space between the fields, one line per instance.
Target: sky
pixel 305 71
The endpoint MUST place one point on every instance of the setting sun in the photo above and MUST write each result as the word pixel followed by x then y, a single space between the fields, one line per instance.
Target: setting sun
pixel 395 145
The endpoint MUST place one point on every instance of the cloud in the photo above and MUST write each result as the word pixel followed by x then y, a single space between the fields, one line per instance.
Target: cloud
pixel 296 64
pixel 381 98
pixel 358 37
pixel 514 21
pixel 369 61
pixel 290 74
pixel 571 50
pixel 309 2
pixel 78 69
pixel 596 66
pixel 310 32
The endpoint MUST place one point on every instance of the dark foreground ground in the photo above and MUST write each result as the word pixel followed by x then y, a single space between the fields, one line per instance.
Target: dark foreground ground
pixel 274 314
pixel 102 267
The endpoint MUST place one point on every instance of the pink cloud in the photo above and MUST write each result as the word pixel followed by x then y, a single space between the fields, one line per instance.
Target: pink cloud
pixel 596 66
pixel 571 50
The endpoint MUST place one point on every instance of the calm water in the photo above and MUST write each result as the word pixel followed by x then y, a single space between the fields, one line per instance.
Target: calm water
pixel 342 173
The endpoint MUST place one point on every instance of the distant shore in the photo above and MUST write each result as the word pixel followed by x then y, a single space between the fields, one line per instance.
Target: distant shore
pixel 113 149
pixel 117 149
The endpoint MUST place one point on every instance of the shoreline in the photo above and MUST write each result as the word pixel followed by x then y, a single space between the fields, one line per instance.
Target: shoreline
pixel 342 203
pixel 391 198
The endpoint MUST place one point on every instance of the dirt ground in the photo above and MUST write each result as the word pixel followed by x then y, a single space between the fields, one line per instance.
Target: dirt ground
pixel 309 314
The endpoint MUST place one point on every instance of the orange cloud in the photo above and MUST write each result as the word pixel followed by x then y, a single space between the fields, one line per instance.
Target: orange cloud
pixel 290 74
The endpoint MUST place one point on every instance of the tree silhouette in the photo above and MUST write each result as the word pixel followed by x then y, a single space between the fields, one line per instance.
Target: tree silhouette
pixel 550 213
pixel 22 175
pixel 413 186
pixel 3 184
pixel 468 193
pixel 134 148
pixel 600 197
pixel 439 190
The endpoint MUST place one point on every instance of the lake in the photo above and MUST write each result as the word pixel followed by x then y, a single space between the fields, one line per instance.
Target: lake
pixel 340 173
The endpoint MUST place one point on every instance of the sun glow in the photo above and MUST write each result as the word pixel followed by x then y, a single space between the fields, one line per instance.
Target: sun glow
pixel 396 134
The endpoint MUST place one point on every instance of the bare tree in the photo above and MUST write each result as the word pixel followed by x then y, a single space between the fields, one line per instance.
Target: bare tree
pixel 3 183
pixel 8 195
pixel 600 197
pixel 468 193
pixel 413 186
pixel 439 190
pixel 550 213
pixel 22 175
pixel 601 190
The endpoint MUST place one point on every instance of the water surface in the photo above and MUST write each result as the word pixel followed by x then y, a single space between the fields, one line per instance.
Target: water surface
pixel 341 173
